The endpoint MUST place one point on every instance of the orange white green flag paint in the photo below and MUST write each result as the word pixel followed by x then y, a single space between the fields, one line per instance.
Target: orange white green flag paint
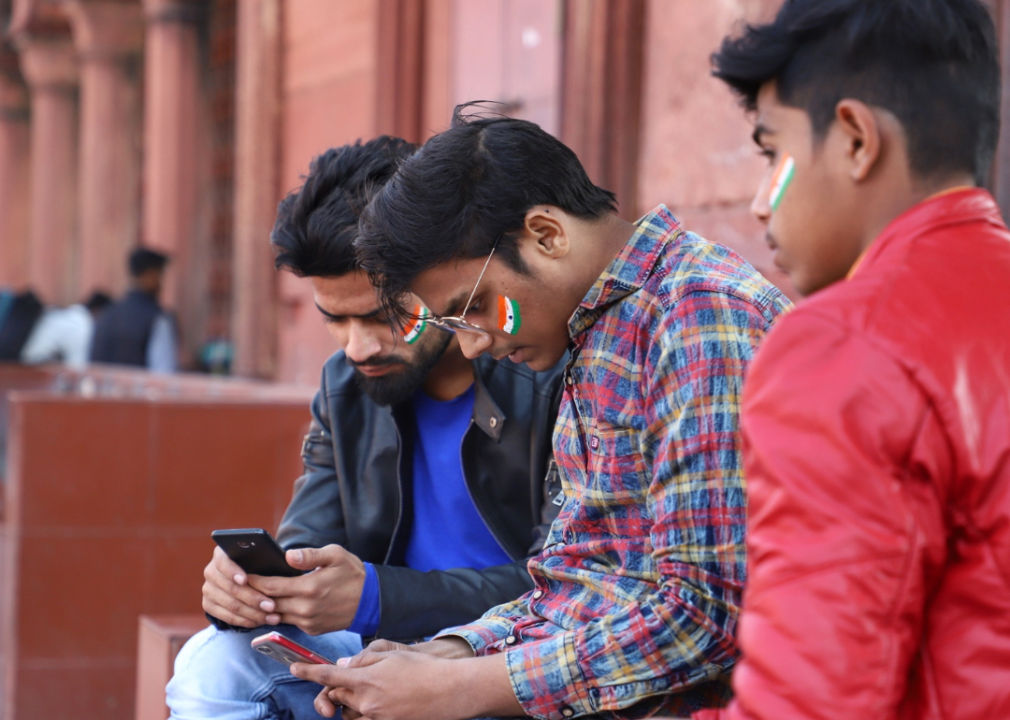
pixel 509 318
pixel 416 324
pixel 780 182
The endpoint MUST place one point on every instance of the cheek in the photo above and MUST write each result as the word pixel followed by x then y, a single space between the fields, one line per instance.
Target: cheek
pixel 338 333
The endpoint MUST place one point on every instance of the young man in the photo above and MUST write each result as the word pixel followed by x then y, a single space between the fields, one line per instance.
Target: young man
pixel 877 415
pixel 423 490
pixel 135 330
pixel 495 225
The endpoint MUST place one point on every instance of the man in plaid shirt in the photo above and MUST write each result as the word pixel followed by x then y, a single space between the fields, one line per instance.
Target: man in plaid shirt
pixel 495 225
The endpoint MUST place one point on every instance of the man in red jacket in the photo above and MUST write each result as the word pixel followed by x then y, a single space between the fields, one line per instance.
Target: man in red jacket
pixel 876 416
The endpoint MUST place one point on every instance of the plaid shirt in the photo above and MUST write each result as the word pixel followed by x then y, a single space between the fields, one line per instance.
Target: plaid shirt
pixel 638 587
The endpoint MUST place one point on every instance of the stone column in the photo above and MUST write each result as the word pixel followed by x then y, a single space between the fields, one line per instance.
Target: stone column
pixel 176 154
pixel 108 37
pixel 14 174
pixel 257 111
pixel 50 69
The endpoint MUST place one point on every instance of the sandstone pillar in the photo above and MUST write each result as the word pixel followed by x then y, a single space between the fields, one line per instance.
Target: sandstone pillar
pixel 176 154
pixel 108 37
pixel 14 178
pixel 49 67
pixel 257 109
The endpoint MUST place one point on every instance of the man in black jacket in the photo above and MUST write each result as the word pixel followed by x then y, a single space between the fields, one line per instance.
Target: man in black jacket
pixel 425 484
pixel 135 330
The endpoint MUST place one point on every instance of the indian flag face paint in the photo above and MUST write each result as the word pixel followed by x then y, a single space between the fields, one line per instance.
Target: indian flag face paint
pixel 780 182
pixel 416 325
pixel 509 319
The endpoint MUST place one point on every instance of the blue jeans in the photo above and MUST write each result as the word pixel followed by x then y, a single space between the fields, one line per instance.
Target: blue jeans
pixel 218 675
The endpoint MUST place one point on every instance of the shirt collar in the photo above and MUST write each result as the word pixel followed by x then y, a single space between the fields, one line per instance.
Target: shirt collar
pixel 629 269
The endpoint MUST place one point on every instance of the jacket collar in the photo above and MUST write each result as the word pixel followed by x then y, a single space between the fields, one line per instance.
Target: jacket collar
pixel 942 210
pixel 487 415
pixel 629 269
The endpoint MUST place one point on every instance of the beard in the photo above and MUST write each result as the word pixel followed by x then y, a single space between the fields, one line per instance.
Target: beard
pixel 398 385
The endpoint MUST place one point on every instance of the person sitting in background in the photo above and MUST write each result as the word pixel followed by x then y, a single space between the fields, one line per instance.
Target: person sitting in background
pixel 63 335
pixel 22 312
pixel 135 330
pixel 425 485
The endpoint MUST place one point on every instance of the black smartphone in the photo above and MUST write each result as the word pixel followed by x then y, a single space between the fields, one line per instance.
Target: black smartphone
pixel 255 551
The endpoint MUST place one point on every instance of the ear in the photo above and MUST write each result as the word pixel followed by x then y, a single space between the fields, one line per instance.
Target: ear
pixel 546 226
pixel 861 134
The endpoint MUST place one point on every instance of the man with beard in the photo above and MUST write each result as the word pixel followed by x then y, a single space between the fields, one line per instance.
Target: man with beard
pixel 424 488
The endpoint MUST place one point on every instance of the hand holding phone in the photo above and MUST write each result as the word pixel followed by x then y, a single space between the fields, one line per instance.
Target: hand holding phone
pixel 255 551
pixel 283 649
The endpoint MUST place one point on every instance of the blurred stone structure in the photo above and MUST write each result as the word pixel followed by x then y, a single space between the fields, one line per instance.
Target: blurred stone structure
pixel 179 124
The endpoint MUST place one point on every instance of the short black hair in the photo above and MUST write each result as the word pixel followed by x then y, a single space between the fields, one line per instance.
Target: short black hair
pixel 316 225
pixel 932 63
pixel 466 190
pixel 142 259
pixel 97 300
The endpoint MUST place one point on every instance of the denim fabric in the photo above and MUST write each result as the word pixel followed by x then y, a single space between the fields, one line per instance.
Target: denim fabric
pixel 218 675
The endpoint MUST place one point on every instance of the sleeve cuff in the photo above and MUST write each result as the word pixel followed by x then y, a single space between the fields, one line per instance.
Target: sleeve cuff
pixel 366 618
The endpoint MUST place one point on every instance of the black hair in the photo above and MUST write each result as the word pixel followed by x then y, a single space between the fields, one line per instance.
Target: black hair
pixel 467 190
pixel 932 63
pixel 316 224
pixel 97 300
pixel 142 259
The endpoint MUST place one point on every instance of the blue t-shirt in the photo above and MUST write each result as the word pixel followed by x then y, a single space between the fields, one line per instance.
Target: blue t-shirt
pixel 447 531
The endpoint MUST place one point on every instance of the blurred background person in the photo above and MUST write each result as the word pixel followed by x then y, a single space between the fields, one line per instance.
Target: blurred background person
pixel 135 330
pixel 63 334
pixel 21 311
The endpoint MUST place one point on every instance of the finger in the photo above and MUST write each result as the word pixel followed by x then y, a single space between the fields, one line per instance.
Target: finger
pixel 382 645
pixel 231 607
pixel 227 567
pixel 363 659
pixel 311 558
pixel 218 575
pixel 323 705
pixel 328 675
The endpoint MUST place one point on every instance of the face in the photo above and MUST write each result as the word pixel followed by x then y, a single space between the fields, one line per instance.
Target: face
pixel 804 200
pixel 385 366
pixel 516 314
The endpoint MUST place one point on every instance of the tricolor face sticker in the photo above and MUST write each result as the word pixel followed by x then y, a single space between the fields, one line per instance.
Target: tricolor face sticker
pixel 416 324
pixel 781 180
pixel 802 198
pixel 509 319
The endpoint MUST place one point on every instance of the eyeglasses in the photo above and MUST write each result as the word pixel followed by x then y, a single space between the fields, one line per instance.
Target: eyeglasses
pixel 455 323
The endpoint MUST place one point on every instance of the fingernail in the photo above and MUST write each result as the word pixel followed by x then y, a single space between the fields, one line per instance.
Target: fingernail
pixel 299 556
pixel 267 605
pixel 342 662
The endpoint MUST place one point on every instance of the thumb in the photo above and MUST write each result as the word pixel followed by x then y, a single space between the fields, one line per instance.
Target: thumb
pixel 304 558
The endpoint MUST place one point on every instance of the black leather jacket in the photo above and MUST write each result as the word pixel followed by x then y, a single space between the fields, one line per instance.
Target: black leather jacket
pixel 355 490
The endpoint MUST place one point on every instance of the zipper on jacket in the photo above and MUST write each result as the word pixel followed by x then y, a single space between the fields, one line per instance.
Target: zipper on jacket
pixel 466 484
pixel 399 494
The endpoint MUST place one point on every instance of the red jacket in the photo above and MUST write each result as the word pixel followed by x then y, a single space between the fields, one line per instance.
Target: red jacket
pixel 876 426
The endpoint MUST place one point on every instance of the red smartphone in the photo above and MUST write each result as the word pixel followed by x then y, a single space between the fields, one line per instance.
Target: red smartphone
pixel 284 649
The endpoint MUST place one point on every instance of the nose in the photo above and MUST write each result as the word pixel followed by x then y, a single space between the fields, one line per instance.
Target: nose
pixel 760 206
pixel 473 343
pixel 362 342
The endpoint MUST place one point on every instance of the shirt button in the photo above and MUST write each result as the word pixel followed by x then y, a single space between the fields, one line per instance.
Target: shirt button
pixel 568 380
pixel 510 640
pixel 493 422
pixel 594 442
pixel 567 711
pixel 537 594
